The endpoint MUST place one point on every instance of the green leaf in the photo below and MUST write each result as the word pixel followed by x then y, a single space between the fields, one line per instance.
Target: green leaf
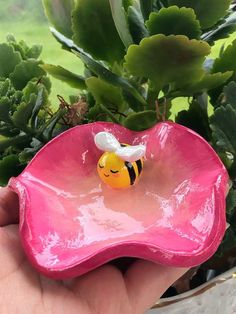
pixel 9 167
pixel 208 82
pixel 112 78
pixel 230 94
pixel 26 71
pixel 222 124
pixel 31 88
pixel 51 124
pixel 174 21
pixel 227 60
pixel 195 118
pixel 141 121
pixel 7 130
pixel 221 30
pixel 23 113
pixel 99 69
pixel 96 113
pixel 45 81
pixel 8 60
pixel 6 143
pixel 231 204
pixel 4 87
pixel 72 79
pixel 5 106
pixel 95 31
pixel 105 93
pixel 136 23
pixel 38 105
pixel 228 242
pixel 59 13
pixel 120 20
pixel 146 7
pixel 34 52
pixel 168 59
pixel 208 12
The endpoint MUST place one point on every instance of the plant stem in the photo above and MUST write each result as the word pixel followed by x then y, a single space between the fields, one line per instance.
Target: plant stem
pixel 152 96
pixel 110 114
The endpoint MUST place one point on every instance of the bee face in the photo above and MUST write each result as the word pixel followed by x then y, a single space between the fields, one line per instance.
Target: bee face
pixel 117 173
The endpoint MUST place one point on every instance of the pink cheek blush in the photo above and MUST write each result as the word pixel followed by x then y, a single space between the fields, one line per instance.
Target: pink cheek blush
pixel 71 223
pixel 116 175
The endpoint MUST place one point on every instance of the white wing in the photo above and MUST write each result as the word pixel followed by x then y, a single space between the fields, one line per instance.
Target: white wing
pixel 131 153
pixel 106 142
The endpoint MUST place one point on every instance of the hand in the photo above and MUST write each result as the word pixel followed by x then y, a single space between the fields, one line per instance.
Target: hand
pixel 102 291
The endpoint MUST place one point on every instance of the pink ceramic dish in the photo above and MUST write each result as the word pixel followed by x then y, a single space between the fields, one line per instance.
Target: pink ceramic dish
pixel 71 223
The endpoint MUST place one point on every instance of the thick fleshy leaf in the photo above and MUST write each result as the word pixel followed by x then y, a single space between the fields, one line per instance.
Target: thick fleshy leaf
pixel 174 21
pixel 72 79
pixel 5 106
pixel 112 78
pixel 5 87
pixel 34 52
pixel 99 69
pixel 227 60
pixel 8 60
pixel 195 118
pixel 231 204
pixel 105 93
pixel 92 19
pixel 23 113
pixel 59 14
pixel 230 94
pixel 168 59
pixel 223 127
pixel 16 141
pixel 222 30
pixel 70 222
pixel 120 20
pixel 32 88
pixel 135 18
pixel 9 166
pixel 208 82
pixel 141 120
pixel 26 71
pixel 209 12
pixel 146 7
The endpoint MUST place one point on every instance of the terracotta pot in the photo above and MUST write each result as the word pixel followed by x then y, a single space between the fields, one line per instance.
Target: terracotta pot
pixel 216 296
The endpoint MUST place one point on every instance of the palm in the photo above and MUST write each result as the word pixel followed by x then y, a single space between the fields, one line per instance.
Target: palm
pixel 105 290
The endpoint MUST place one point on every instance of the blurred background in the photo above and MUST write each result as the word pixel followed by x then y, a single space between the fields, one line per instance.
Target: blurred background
pixel 26 21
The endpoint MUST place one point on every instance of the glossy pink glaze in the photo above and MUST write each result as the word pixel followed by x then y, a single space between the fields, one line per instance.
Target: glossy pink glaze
pixel 71 223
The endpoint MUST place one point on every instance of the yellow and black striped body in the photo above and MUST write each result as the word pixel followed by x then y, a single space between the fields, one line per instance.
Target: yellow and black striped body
pixel 118 173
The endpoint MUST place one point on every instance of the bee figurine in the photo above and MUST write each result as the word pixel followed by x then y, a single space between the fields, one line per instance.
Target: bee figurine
pixel 121 164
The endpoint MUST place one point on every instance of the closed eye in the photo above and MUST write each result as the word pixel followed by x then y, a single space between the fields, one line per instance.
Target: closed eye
pixel 100 166
pixel 113 171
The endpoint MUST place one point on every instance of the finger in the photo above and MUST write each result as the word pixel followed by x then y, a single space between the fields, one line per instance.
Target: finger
pixel 11 253
pixel 146 282
pixel 9 207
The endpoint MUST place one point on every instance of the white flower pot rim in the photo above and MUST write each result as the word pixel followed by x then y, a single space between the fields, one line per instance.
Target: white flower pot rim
pixel 230 274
